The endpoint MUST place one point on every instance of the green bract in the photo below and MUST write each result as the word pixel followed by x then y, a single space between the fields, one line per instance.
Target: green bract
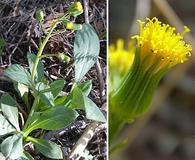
pixel 133 96
pixel 49 110
pixel 136 90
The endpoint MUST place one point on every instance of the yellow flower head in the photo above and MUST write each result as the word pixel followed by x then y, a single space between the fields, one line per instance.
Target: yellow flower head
pixel 75 9
pixel 69 25
pixel 161 43
pixel 79 6
pixel 120 60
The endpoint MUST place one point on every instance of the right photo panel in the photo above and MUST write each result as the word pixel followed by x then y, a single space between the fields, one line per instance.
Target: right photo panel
pixel 151 80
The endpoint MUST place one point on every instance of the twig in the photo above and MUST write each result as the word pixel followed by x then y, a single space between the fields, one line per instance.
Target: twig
pixel 16 46
pixel 100 78
pixel 34 44
pixel 83 141
pixel 101 16
pixel 86 10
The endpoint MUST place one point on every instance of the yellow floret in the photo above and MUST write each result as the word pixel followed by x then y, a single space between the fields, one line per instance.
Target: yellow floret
pixel 79 6
pixel 69 25
pixel 120 60
pixel 162 43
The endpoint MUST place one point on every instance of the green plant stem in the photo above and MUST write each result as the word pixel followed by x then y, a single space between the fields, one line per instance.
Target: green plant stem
pixel 38 57
pixel 31 112
pixel 41 31
pixel 42 48
pixel 42 45
pixel 35 68
pixel 49 55
pixel 58 32
pixel 31 139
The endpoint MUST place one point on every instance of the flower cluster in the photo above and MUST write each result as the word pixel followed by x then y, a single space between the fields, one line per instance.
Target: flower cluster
pixel 161 43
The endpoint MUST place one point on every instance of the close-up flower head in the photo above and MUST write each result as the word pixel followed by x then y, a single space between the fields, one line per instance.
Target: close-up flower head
pixel 144 74
pixel 161 43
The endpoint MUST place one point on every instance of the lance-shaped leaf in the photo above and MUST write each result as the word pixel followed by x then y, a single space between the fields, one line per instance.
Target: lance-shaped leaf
pixel 85 87
pixel 54 118
pixel 56 87
pixel 12 147
pixel 46 96
pixel 26 156
pixel 5 126
pixel 10 109
pixel 79 100
pixel 18 74
pixel 92 111
pixel 47 148
pixel 75 99
pixel 86 50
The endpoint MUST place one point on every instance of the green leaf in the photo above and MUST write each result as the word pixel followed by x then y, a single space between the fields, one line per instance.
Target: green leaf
pixel 26 156
pixel 21 89
pixel 60 100
pixel 50 92
pixel 47 148
pixel 76 99
pixel 79 100
pixel 40 68
pixel 54 118
pixel 92 111
pixel 18 74
pixel 34 118
pixel 23 92
pixel 86 50
pixel 10 109
pixel 85 87
pixel 56 87
pixel 12 146
pixel 5 126
pixel 46 96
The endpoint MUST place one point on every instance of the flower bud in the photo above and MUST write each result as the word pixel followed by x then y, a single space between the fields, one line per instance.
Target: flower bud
pixel 75 9
pixel 39 15
pixel 69 25
pixel 73 26
pixel 63 57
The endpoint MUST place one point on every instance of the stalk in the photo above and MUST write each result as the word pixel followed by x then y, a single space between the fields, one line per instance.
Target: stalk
pixel 38 57
pixel 41 50
pixel 31 112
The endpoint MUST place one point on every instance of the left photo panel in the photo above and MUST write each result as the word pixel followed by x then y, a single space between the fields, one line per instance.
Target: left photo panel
pixel 53 71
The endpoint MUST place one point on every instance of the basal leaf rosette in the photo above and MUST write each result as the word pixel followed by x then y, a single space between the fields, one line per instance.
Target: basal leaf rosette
pixel 158 49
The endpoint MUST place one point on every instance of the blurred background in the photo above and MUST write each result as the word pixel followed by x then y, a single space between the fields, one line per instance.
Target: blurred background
pixel 167 131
